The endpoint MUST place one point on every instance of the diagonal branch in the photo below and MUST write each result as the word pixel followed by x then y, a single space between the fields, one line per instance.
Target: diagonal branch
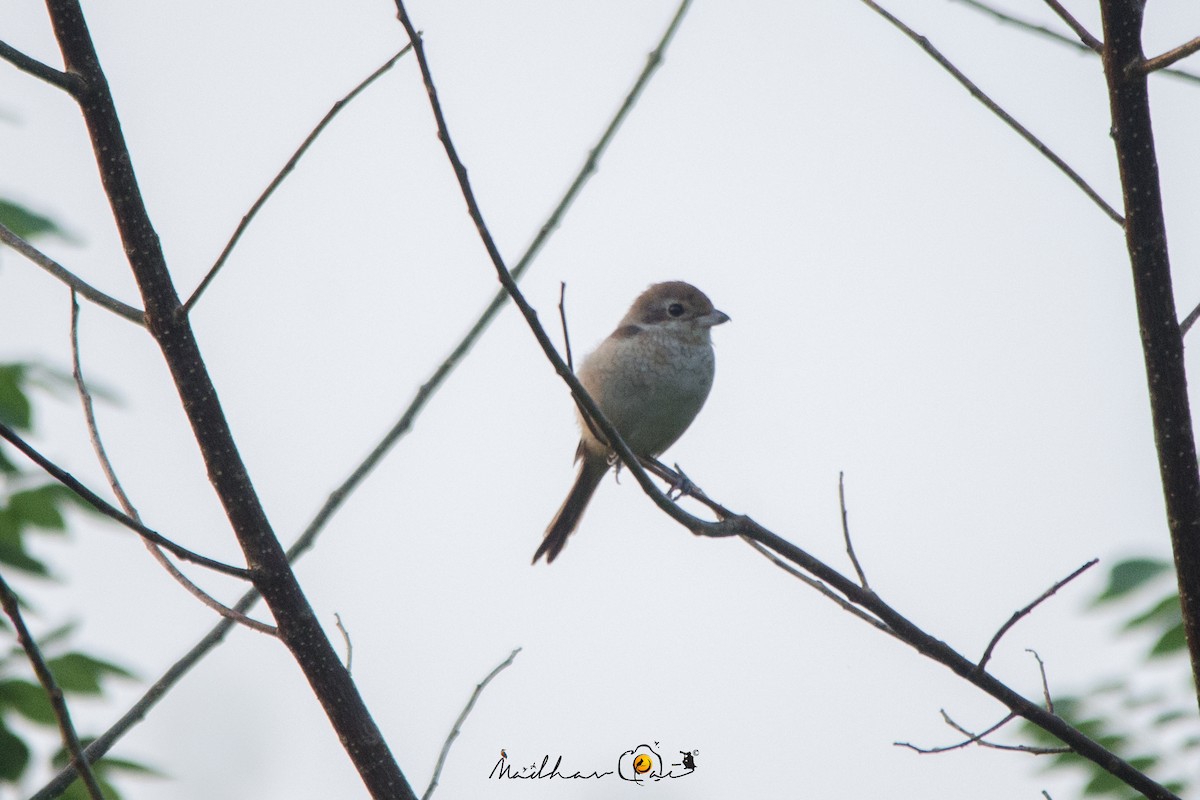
pixel 1189 321
pixel 168 323
pixel 505 277
pixel 110 511
pixel 69 278
pixel 28 64
pixel 1042 30
pixel 1032 27
pixel 283 173
pixel 402 426
pixel 740 525
pixel 1089 41
pixel 66 730
pixel 89 416
pixel 1018 615
pixel 1171 56
pixel 974 738
pixel 441 762
pixel 992 106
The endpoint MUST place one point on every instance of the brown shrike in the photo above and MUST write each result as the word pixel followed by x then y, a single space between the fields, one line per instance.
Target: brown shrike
pixel 650 378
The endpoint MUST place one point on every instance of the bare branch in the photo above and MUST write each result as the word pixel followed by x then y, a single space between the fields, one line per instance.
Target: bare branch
pixel 136 713
pixel 1020 749
pixel 108 510
pixel 562 315
pixel 1045 683
pixel 69 278
pixel 1171 56
pixel 1035 28
pixel 845 604
pixel 992 106
pixel 862 576
pixel 89 415
pixel 1089 41
pixel 299 629
pixel 1017 615
pixel 28 64
pixel 1189 321
pixel 441 762
pixel 283 173
pixel 974 737
pixel 1158 321
pixel 1042 30
pixel 65 729
pixel 1032 27
pixel 744 526
pixel 349 645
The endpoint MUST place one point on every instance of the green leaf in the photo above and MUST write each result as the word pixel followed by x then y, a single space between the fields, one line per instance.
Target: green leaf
pixel 1168 717
pixel 1171 641
pixel 14 755
pixel 80 673
pixel 39 507
pixel 1162 614
pixel 1144 763
pixel 12 547
pixel 1125 576
pixel 27 699
pixel 7 467
pixel 15 410
pixel 77 791
pixel 106 765
pixel 1103 783
pixel 25 223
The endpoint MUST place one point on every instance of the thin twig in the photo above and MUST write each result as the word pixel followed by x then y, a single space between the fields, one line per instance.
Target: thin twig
pixel 845 604
pixel 89 415
pixel 1017 615
pixel 610 434
pixel 862 576
pixel 1032 27
pixel 283 173
pixel 1042 30
pixel 1045 683
pixel 437 770
pixel 1171 56
pixel 69 278
pixel 1089 41
pixel 66 81
pixel 992 106
pixel 743 526
pixel 349 644
pixel 1189 321
pixel 336 498
pixel 974 737
pixel 110 511
pixel 66 730
pixel 1017 748
pixel 562 315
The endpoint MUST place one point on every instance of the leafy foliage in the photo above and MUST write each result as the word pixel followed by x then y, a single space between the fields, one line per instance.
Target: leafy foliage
pixel 25 223
pixel 1148 715
pixel 30 507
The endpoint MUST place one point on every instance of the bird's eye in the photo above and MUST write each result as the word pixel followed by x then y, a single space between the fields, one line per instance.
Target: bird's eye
pixel 675 309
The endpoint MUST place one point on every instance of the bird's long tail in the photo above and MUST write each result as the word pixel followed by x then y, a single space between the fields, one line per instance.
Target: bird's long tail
pixel 591 472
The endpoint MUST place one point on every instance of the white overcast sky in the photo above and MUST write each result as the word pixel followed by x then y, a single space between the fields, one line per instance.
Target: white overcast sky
pixel 918 299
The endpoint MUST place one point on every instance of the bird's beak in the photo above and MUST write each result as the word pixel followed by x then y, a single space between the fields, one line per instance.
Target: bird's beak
pixel 712 318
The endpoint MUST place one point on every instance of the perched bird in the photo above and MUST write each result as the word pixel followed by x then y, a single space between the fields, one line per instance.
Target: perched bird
pixel 650 377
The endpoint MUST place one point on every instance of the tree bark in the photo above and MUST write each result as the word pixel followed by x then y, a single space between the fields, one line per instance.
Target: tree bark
pixel 169 325
pixel 1162 339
